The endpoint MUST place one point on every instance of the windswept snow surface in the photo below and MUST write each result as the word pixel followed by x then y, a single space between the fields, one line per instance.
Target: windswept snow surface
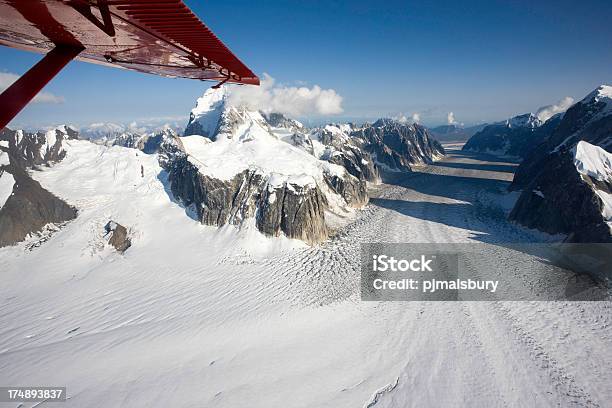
pixel 194 316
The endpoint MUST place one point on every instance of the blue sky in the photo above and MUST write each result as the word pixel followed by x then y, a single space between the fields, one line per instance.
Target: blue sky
pixel 482 60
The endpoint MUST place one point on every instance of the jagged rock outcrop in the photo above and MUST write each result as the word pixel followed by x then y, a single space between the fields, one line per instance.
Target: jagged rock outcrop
pixel 117 236
pixel 398 146
pixel 296 209
pixel 126 139
pixel 517 137
pixel 29 207
pixel 293 208
pixel 345 150
pixel 147 143
pixel 281 121
pixel 561 193
pixel 36 149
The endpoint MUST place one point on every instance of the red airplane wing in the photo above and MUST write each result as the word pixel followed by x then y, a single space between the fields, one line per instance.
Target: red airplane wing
pixel 160 37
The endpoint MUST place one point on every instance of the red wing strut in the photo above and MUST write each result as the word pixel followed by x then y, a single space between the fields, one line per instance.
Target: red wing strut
pixel 161 37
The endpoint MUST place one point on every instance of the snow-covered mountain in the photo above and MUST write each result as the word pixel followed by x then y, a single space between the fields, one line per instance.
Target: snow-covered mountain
pixel 566 180
pixel 527 120
pixel 147 142
pixel 338 144
pixel 398 146
pixel 515 137
pixel 234 167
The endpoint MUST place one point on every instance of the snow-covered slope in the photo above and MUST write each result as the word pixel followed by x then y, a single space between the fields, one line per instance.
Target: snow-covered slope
pixel 250 143
pixel 595 166
pixel 204 118
pixel 593 161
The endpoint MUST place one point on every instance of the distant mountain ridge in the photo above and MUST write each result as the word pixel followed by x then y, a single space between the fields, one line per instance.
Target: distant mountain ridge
pixel 455 133
pixel 515 137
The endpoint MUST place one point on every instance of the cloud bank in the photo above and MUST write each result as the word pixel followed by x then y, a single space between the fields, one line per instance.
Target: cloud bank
pixel 7 79
pixel 546 112
pixel 292 101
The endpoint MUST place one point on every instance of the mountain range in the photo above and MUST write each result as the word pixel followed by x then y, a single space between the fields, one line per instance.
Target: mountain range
pixel 233 166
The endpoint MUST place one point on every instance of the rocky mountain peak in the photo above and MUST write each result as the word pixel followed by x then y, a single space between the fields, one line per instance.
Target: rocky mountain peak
pixel 281 121
pixel 599 102
pixel 204 118
pixel 527 120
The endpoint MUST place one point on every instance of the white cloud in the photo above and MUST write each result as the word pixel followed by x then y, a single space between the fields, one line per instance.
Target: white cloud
pixel 7 79
pixel 546 112
pixel 292 101
pixel 401 118
pixel 451 118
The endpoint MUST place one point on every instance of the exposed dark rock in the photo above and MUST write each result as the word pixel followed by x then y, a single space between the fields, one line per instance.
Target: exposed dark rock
pixel 298 211
pixel 294 210
pixel 351 189
pixel 586 120
pixel 117 236
pixel 561 201
pixel 31 207
pixel 556 198
pixel 127 139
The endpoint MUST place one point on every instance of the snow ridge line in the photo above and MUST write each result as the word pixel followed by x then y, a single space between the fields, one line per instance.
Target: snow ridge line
pixel 381 391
